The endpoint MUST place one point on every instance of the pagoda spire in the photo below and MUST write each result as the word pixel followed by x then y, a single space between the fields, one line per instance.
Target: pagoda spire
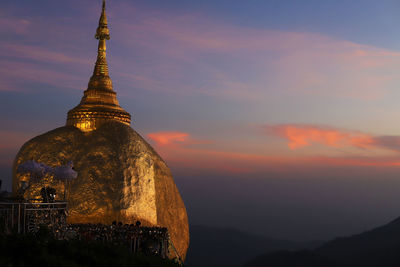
pixel 99 103
pixel 100 79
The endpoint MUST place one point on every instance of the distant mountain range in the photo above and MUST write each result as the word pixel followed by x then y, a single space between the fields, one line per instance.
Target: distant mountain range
pixel 379 247
pixel 217 247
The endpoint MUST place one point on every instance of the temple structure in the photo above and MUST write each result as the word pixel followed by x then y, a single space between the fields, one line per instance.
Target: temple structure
pixel 120 176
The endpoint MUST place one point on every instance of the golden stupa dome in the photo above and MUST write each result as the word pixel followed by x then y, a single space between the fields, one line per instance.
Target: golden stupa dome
pixel 120 176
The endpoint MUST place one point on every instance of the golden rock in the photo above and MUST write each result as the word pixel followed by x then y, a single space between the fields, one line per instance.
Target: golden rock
pixel 120 176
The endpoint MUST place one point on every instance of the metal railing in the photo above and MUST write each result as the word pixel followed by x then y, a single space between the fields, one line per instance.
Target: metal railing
pixel 24 217
pixel 29 216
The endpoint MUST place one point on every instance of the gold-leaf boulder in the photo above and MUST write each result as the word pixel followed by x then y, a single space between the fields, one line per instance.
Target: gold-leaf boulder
pixel 120 178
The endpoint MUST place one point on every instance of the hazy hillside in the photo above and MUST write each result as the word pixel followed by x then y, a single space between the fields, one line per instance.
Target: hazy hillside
pixel 228 247
pixel 378 247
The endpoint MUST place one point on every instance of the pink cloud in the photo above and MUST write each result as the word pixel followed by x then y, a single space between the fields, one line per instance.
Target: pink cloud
pixel 305 135
pixel 16 71
pixel 303 63
pixel 40 54
pixel 168 138
pixel 178 150
pixel 23 69
pixel 203 159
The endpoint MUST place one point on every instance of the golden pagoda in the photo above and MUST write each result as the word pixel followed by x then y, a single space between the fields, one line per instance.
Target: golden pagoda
pixel 120 176
pixel 99 102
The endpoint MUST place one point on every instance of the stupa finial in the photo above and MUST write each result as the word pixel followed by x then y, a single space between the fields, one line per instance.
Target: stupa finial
pixel 102 30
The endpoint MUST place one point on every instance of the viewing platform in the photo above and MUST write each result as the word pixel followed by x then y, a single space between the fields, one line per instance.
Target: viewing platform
pixel 19 216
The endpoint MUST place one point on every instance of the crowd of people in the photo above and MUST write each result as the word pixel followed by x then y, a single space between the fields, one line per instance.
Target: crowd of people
pixel 139 239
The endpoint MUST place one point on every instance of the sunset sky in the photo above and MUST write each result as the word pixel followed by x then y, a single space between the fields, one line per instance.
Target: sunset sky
pixel 276 117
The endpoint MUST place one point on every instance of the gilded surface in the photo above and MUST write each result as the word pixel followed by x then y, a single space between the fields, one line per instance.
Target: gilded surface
pixel 120 177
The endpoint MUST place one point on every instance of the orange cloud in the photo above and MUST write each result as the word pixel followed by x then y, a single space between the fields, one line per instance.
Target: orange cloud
pixel 168 138
pixel 305 135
